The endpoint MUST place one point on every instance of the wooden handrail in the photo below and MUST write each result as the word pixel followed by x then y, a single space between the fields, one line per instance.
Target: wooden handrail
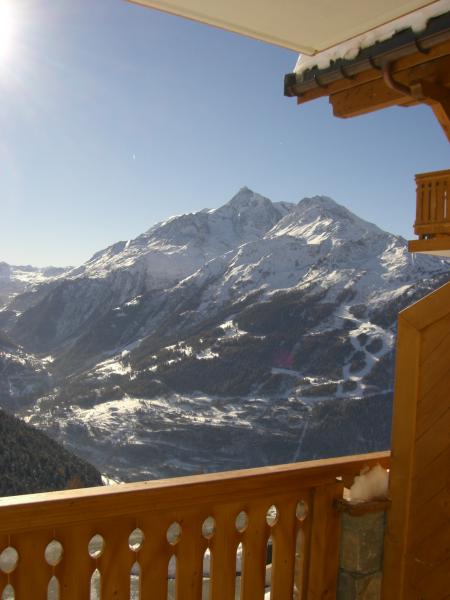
pixel 29 523
pixel 77 506
pixel 433 175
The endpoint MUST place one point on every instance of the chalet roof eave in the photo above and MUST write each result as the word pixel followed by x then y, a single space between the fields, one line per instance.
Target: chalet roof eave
pixel 402 44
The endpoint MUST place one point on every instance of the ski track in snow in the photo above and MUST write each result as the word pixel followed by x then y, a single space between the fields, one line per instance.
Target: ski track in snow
pixel 298 451
pixel 370 358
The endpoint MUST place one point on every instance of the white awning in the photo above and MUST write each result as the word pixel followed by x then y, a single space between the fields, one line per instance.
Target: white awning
pixel 307 26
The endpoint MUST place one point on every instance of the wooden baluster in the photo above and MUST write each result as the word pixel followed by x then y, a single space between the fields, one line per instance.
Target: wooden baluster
pixel 254 541
pixel 117 559
pixel 446 193
pixel 75 570
pixel 426 203
pixel 324 543
pixel 303 528
pixel 154 557
pixel 440 201
pixel 189 553
pixel 419 204
pixel 300 562
pixel 4 543
pixel 30 579
pixel 283 557
pixel 433 201
pixel 78 515
pixel 223 548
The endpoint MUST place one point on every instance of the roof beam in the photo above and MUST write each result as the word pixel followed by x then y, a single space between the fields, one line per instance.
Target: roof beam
pixel 438 97
pixel 365 98
pixel 424 83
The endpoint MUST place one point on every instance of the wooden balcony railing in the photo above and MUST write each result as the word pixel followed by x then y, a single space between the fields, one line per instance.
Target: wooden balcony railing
pixel 432 223
pixel 433 204
pixel 149 540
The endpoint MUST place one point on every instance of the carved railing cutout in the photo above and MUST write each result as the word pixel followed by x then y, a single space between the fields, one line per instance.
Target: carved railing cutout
pixel 244 535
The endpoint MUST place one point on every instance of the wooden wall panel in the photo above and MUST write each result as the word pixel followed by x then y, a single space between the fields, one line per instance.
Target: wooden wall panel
pixel 417 545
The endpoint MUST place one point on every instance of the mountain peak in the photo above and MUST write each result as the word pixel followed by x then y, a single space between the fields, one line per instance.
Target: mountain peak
pixel 245 189
pixel 246 197
pixel 320 219
pixel 327 208
pixel 319 201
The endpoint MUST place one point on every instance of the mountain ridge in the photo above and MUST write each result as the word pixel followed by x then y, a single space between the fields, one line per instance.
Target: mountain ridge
pixel 248 319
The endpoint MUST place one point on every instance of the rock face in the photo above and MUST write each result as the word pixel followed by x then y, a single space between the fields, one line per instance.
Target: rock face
pixel 254 333
pixel 31 462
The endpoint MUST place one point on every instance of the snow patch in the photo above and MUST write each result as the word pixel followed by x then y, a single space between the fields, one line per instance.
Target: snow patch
pixel 370 485
pixel 134 301
pixel 231 330
pixel 207 354
pixel 112 367
pixel 348 50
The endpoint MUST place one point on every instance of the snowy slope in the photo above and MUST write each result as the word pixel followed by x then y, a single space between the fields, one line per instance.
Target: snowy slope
pixel 230 337
pixel 175 248
pixel 317 242
pixel 154 261
pixel 16 280
pixel 192 267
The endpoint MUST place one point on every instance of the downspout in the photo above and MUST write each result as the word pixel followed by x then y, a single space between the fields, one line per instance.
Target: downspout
pixel 414 91
pixel 393 84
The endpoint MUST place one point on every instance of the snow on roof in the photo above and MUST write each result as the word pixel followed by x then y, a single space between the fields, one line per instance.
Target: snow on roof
pixel 348 50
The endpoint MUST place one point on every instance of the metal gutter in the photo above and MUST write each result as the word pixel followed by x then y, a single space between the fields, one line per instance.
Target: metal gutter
pixel 403 43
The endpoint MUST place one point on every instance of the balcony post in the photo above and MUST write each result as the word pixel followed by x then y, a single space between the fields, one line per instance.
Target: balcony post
pixel 325 535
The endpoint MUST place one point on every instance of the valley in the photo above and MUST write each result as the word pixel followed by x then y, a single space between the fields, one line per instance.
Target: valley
pixel 256 333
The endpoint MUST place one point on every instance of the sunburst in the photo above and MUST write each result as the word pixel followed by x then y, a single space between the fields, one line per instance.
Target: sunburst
pixel 7 28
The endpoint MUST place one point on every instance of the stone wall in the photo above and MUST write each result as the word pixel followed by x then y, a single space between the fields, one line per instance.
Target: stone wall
pixel 361 556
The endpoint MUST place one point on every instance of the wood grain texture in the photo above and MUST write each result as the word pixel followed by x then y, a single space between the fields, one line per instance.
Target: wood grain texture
pixel 403 436
pixel 283 557
pixel 375 94
pixel 37 511
pixel 417 542
pixel 73 518
pixel 189 553
pixel 254 540
pixel 324 543
pixel 223 547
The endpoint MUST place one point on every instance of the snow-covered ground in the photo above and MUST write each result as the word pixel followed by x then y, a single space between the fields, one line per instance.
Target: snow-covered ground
pixel 371 332
pixel 212 340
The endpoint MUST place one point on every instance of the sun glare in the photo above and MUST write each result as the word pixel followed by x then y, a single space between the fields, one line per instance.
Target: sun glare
pixel 7 27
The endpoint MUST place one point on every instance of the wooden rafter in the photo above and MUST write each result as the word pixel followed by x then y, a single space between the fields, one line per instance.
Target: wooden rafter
pixel 422 76
pixel 366 98
pixel 438 97
pixel 426 83
pixel 372 74
pixel 375 94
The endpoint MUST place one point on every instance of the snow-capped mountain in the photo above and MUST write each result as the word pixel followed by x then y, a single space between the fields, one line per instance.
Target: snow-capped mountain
pixel 175 248
pixel 15 280
pixel 256 327
pixel 154 261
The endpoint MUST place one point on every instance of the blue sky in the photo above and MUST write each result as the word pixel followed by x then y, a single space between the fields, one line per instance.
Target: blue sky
pixel 113 117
